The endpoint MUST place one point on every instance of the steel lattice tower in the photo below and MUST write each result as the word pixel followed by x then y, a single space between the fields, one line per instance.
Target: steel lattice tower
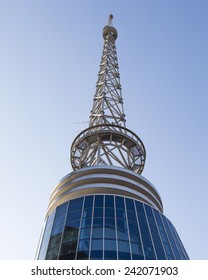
pixel 107 141
pixel 105 209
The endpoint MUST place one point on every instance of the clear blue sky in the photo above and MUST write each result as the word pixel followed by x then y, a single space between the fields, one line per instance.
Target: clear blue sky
pixel 49 59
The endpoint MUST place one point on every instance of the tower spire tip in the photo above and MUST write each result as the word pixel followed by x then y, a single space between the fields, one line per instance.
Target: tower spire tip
pixel 110 20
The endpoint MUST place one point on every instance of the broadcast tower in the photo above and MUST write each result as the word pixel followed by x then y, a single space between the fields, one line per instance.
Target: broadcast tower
pixel 105 209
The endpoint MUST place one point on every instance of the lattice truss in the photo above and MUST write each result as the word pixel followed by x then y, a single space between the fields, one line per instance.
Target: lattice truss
pixel 102 145
pixel 107 141
pixel 108 101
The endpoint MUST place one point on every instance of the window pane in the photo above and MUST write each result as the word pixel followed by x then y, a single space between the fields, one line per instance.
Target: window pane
pixel 99 201
pixel 110 255
pixel 97 244
pixel 136 249
pixel 84 245
pixel 58 221
pixel 149 253
pixel 85 233
pixel 109 201
pixel 110 245
pixel 98 222
pixel 130 205
pixel 122 234
pixel 97 233
pixel 70 235
pixel 73 224
pixel 110 233
pixel 87 213
pixel 75 215
pixel 109 222
pixel 121 224
pixel 109 212
pixel 52 254
pixel 96 255
pixel 131 216
pixel 120 213
pixel 75 204
pixel 134 236
pixel 88 201
pixel 69 248
pixel 57 230
pixel 98 212
pixel 133 226
pixel 86 222
pixel 55 241
pixel 61 209
pixel 119 202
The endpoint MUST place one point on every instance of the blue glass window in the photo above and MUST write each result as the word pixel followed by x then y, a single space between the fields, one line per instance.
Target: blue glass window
pixel 109 212
pixel 146 238
pixel 97 244
pixel 97 233
pixel 54 241
pixel 75 215
pixel 73 224
pixel 123 246
pixel 88 201
pixel 96 255
pixel 52 254
pixel 120 214
pixel 163 235
pixel 84 245
pixel 98 201
pixel 75 204
pixel 137 253
pixel 130 205
pixel 61 209
pixel 98 212
pixel 87 213
pixel 46 236
pixel 110 222
pixel 98 222
pixel 86 222
pixel 110 244
pixel 176 240
pixel 119 202
pixel 70 235
pixel 155 234
pixel 109 227
pixel 85 233
pixel 109 201
pixel 58 221
pixel 173 245
pixel 57 230
pixel 110 233
pixel 110 255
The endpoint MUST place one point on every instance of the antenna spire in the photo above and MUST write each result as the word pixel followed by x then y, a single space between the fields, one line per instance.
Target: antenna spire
pixel 107 141
pixel 110 20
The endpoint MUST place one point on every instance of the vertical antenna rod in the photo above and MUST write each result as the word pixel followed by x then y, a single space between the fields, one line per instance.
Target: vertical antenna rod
pixel 110 20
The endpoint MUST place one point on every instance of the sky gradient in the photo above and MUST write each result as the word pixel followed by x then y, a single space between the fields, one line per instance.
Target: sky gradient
pixel 49 59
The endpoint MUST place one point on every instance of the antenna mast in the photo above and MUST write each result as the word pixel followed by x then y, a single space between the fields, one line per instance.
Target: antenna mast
pixel 107 141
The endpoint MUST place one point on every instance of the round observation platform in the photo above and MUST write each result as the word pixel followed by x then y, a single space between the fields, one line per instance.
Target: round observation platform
pixel 108 145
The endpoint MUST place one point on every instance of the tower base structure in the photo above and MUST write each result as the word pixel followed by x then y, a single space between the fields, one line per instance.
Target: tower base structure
pixel 107 213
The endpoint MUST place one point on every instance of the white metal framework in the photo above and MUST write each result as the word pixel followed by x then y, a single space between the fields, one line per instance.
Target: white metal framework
pixel 107 141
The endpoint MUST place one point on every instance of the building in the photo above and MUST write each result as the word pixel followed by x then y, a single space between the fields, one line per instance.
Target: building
pixel 105 209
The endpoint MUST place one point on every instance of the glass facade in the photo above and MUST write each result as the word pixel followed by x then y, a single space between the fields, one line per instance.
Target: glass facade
pixel 109 227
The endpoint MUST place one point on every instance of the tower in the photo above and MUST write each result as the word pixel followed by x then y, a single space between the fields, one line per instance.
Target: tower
pixel 105 209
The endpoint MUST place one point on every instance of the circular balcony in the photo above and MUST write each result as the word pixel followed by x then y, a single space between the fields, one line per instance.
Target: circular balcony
pixel 108 145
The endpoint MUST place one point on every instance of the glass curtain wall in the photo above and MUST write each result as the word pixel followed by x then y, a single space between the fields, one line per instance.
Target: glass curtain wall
pixel 109 227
